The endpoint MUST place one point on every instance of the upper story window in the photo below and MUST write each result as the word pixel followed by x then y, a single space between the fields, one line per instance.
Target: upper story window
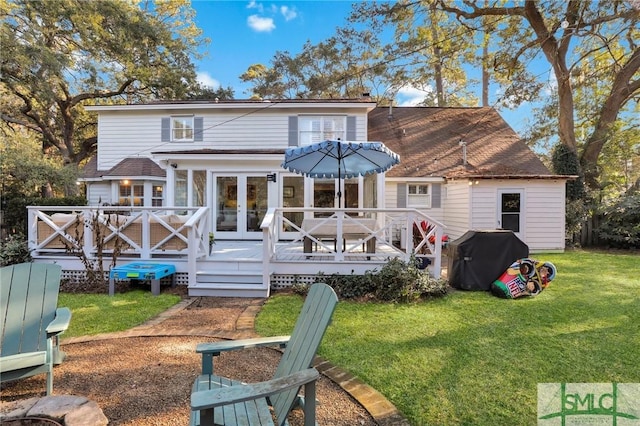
pixel 182 128
pixel 419 195
pixel 314 129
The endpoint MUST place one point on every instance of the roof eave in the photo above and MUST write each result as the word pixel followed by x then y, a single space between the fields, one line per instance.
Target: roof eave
pixel 490 177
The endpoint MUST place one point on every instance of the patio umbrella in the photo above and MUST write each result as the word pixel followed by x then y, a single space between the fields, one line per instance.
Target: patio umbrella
pixel 339 159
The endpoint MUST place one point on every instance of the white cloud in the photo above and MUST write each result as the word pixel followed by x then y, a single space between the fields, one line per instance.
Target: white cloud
pixel 260 24
pixel 411 96
pixel 254 5
pixel 288 13
pixel 206 80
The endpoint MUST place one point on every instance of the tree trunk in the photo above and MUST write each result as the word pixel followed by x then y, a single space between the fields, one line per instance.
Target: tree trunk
pixel 485 59
pixel 623 88
pixel 485 76
pixel 437 53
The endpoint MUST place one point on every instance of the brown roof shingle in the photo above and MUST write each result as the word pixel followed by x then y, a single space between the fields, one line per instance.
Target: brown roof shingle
pixel 428 142
pixel 129 167
pixel 138 166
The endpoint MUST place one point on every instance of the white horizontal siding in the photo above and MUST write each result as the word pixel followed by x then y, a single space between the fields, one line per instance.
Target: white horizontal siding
pixel 456 209
pixel 543 210
pixel 391 195
pixel 137 133
pixel 484 201
pixel 98 193
pixel 545 215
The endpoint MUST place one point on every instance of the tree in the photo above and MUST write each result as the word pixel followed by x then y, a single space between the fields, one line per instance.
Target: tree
pixel 208 93
pixel 427 51
pixel 569 34
pixel 337 67
pixel 25 171
pixel 58 55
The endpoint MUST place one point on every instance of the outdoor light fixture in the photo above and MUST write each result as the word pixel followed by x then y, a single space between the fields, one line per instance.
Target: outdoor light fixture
pixel 174 165
pixel 271 177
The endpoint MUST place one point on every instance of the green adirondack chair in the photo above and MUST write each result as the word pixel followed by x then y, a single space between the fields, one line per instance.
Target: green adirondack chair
pixel 230 402
pixel 31 321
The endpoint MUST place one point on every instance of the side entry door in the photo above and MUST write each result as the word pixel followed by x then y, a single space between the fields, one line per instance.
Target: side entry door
pixel 510 214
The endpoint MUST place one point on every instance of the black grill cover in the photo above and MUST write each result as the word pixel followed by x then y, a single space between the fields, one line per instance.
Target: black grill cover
pixel 478 258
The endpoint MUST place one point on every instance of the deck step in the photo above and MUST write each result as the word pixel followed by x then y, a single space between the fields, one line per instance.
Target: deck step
pixel 230 283
pixel 229 277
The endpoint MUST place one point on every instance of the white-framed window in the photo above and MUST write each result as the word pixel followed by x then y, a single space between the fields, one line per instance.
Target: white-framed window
pixel 157 196
pixel 131 193
pixel 419 195
pixel 314 129
pixel 182 128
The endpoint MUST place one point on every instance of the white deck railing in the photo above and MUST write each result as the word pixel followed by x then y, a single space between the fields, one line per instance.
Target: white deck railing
pixel 150 232
pixel 377 234
pixel 145 232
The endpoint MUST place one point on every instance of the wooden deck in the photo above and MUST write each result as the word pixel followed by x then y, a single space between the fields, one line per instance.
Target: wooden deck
pixel 232 251
pixel 370 238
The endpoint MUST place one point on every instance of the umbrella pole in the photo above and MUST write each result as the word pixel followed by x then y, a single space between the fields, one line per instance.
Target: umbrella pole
pixel 339 175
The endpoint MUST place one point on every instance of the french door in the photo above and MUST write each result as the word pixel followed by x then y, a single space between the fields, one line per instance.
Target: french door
pixel 241 202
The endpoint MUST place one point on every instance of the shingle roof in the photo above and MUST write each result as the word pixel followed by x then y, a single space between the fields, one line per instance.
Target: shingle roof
pixel 136 167
pixel 129 167
pixel 428 142
pixel 90 169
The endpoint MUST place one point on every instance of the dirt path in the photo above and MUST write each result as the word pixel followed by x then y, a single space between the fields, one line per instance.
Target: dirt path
pixel 143 376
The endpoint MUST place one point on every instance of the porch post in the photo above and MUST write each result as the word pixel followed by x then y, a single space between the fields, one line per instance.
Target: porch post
pixel 437 262
pixel 87 216
pixel 170 187
pixel 145 253
pixel 192 255
pixel 32 230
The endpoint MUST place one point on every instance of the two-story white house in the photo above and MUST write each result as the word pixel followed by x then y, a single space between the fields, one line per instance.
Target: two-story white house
pixel 460 169
pixel 463 166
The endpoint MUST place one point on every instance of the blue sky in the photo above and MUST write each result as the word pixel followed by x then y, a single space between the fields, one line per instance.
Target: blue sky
pixel 243 33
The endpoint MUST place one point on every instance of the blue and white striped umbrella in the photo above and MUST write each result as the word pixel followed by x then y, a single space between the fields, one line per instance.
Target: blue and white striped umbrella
pixel 340 159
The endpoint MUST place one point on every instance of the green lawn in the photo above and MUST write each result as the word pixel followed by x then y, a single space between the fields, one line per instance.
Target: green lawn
pixel 471 358
pixel 101 313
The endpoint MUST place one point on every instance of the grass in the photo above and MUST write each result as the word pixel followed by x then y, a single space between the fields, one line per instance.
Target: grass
pixel 471 358
pixel 101 313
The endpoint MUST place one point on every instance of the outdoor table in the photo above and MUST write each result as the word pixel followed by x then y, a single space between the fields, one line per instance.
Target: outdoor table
pixel 352 228
pixel 142 271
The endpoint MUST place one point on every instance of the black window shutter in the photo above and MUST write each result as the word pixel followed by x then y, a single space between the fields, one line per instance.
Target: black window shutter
pixel 197 129
pixel 165 134
pixel 293 130
pixel 436 195
pixel 401 197
pixel 351 128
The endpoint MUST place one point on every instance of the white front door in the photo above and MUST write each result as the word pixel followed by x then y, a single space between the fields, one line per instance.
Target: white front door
pixel 510 214
pixel 240 205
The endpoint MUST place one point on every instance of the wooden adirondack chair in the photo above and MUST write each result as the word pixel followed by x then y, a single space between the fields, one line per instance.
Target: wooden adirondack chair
pixel 230 402
pixel 31 321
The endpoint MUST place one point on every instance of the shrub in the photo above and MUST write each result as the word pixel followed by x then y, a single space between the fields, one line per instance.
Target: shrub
pixel 397 281
pixel 400 281
pixel 14 250
pixel 620 227
pixel 16 209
